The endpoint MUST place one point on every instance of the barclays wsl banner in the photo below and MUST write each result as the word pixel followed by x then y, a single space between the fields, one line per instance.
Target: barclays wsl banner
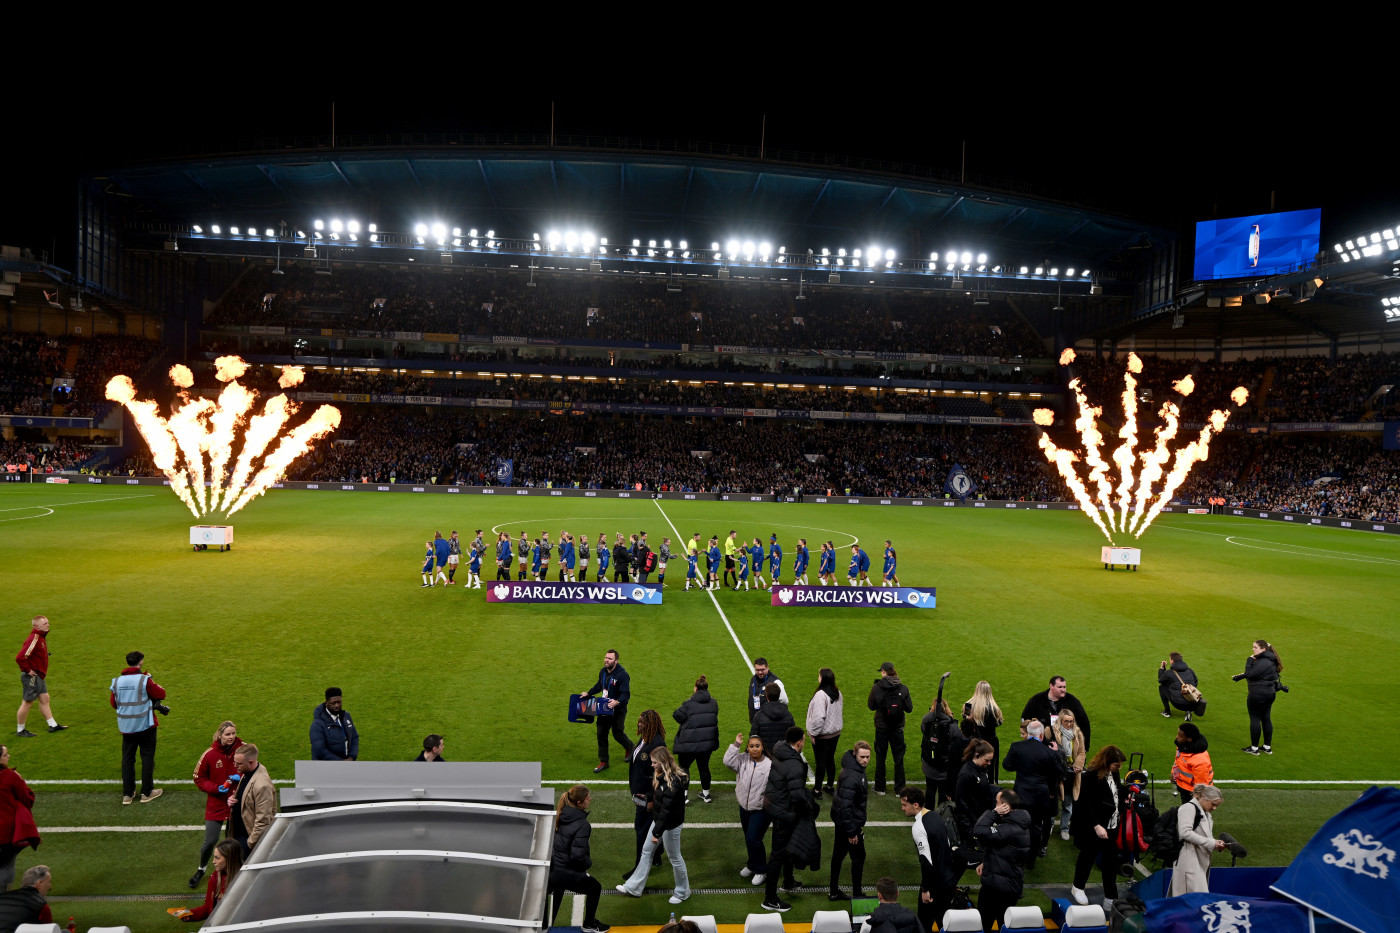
pixel 860 597
pixel 614 594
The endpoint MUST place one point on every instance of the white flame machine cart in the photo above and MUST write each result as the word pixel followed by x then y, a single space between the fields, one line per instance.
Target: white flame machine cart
pixel 202 537
pixel 1129 557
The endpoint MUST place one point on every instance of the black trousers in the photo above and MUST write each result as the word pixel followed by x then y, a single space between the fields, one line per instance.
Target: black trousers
pixel 562 880
pixel 614 724
pixel 1106 853
pixel 839 851
pixel 145 743
pixel 891 741
pixel 932 913
pixel 826 760
pixel 1261 720
pixel 992 906
pixel 703 760
pixel 779 862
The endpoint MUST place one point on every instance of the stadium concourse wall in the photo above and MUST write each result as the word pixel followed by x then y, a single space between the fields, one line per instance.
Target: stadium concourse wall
pixel 927 502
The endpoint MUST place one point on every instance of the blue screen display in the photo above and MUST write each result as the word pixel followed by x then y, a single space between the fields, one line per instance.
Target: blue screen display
pixel 1238 247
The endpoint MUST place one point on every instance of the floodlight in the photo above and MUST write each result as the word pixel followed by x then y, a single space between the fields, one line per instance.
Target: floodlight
pixel 374 238
pixel 374 228
pixel 602 241
pixel 666 244
pixel 420 229
pixel 440 229
pixel 475 243
pixel 268 232
pixel 651 244
pixel 420 241
pixel 552 238
pixel 889 264
pixel 748 246
pixel 602 250
pixel 714 246
pixel 996 269
pixel 782 250
pixel 1351 244
pixel 1024 270
pixel 317 235
pixel 214 229
pixel 233 230
pixel 685 254
pixel 353 238
pixel 683 245
pixel 197 229
pixel 337 226
pixel 252 231
pixel 840 262
pixel 966 257
pixel 1346 258
pixel 719 255
pixel 1373 250
pixel 490 234
pixel 933 257
pixel 855 254
pixel 651 253
pixel 1039 270
pixel 765 249
pixel 319 224
pixel 1338 248
pixel 636 243
pixel 670 254
pixel 982 268
pixel 889 254
pixel 633 250
pixel 873 253
pixel 1084 273
pixel 1069 272
pixel 587 240
pixel 1388 234
pixel 456 231
pixel 981 257
pixel 950 267
pixel 571 240
pixel 840 252
pixel 1055 270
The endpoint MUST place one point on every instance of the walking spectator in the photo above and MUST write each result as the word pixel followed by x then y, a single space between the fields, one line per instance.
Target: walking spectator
pixel 848 809
pixel 698 734
pixel 1195 825
pixel 890 700
pixel 1070 744
pixel 789 802
pixel 615 686
pixel 751 766
pixel 212 774
pixel 571 859
pixel 669 790
pixel 1004 834
pixel 1039 769
pixel 1094 823
pixel 824 726
pixel 1261 670
pixel 939 867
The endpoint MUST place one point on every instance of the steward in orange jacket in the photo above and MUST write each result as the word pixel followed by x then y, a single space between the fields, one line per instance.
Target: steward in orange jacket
pixel 1192 765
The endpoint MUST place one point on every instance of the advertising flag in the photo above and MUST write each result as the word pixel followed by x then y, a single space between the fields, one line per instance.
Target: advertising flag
pixel 857 597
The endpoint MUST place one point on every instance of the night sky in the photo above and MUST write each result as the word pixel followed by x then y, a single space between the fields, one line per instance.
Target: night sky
pixel 1191 166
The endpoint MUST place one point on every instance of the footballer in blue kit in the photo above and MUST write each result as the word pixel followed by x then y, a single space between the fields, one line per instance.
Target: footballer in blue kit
pixel 860 567
pixel 428 565
pixel 692 558
pixel 566 557
pixel 474 567
pixel 713 555
pixel 604 556
pixel 775 557
pixel 441 550
pixel 535 560
pixel 503 558
pixel 799 563
pixel 826 565
pixel 756 563
pixel 890 579
pixel 743 579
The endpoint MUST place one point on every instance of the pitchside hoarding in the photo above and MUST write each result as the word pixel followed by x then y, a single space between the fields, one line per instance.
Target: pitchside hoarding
pixel 871 597
pixel 608 593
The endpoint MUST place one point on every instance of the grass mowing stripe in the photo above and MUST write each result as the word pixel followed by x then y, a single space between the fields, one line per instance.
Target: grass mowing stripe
pixel 748 665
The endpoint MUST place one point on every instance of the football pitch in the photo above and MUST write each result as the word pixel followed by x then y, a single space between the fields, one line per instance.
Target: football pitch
pixel 322 589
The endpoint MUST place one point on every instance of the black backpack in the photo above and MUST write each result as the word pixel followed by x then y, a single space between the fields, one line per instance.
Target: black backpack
pixel 894 707
pixel 1165 843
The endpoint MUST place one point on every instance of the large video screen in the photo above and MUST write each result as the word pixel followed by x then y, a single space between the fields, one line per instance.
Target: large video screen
pixel 1238 247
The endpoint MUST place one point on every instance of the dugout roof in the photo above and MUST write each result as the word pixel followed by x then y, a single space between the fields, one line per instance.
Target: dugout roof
pixel 368 845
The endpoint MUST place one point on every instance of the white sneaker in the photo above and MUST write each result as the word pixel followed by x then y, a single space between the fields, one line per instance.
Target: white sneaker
pixel 745 872
pixel 1064 834
pixel 676 900
pixel 759 878
pixel 1079 896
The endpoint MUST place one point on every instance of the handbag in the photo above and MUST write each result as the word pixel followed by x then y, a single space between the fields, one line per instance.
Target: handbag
pixel 1190 691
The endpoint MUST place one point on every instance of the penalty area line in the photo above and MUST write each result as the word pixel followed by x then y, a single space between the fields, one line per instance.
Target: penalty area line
pixel 748 665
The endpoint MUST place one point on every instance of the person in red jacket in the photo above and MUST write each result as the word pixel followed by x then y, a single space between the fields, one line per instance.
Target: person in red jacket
pixel 33 661
pixel 228 858
pixel 17 827
pixel 211 775
pixel 135 696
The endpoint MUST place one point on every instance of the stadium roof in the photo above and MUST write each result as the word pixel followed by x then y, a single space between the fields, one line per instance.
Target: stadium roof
pixel 701 193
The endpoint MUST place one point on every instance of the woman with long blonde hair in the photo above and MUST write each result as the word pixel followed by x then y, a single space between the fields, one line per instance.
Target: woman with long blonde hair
pixel 668 815
pixel 981 716
pixel 211 775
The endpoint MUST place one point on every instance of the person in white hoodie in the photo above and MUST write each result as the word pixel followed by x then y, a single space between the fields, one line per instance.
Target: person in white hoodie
pixel 745 757
pixel 824 726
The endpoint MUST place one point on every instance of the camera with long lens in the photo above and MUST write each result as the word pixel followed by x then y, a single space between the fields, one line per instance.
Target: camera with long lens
pixel 161 708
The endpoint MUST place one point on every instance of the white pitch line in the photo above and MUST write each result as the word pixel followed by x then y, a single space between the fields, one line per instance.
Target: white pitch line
pixel 576 916
pixel 54 505
pixel 748 665
pixel 1298 550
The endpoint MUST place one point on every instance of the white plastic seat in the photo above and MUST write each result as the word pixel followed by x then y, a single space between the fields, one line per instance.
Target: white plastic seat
pixel 1085 917
pixel 1023 918
pixel 109 929
pixel 831 921
pixel 38 928
pixel 961 921
pixel 763 923
pixel 706 923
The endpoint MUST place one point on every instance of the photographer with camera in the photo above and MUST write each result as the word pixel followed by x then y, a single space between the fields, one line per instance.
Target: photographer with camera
pixel 136 697
pixel 1261 669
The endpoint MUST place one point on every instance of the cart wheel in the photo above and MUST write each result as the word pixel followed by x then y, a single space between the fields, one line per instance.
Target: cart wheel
pixel 194 547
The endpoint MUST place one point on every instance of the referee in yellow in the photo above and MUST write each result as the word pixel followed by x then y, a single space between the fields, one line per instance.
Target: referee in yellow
pixel 729 550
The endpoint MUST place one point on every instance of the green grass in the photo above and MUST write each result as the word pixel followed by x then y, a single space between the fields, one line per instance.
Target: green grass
pixel 322 589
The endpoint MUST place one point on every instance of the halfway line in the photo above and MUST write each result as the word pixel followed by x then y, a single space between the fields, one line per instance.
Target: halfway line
pixel 748 665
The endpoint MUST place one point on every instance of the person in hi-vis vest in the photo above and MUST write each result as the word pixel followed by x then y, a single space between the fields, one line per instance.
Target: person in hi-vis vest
pixel 136 696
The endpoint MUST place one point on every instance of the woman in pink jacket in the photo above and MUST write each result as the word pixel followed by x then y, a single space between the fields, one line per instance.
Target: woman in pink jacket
pixel 751 766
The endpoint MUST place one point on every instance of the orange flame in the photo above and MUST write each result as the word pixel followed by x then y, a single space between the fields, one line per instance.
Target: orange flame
pixel 1239 395
pixel 1089 433
pixel 1067 356
pixel 1064 462
pixel 1187 457
pixel 1185 385
pixel 323 421
pixel 197 427
pixel 1125 455
pixel 1043 416
pixel 1154 461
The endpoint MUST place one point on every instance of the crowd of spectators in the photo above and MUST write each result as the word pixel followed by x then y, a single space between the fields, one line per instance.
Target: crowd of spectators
pixel 29 364
pixel 64 453
pixel 557 306
pixel 1314 388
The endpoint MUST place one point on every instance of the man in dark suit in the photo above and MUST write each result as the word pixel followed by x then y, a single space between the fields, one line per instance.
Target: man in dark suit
pixel 1039 769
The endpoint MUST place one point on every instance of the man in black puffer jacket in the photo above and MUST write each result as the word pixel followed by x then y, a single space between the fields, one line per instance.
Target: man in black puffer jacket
pixel 698 735
pixel 1005 837
pixel 848 813
pixel 891 916
pixel 772 721
pixel 789 802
